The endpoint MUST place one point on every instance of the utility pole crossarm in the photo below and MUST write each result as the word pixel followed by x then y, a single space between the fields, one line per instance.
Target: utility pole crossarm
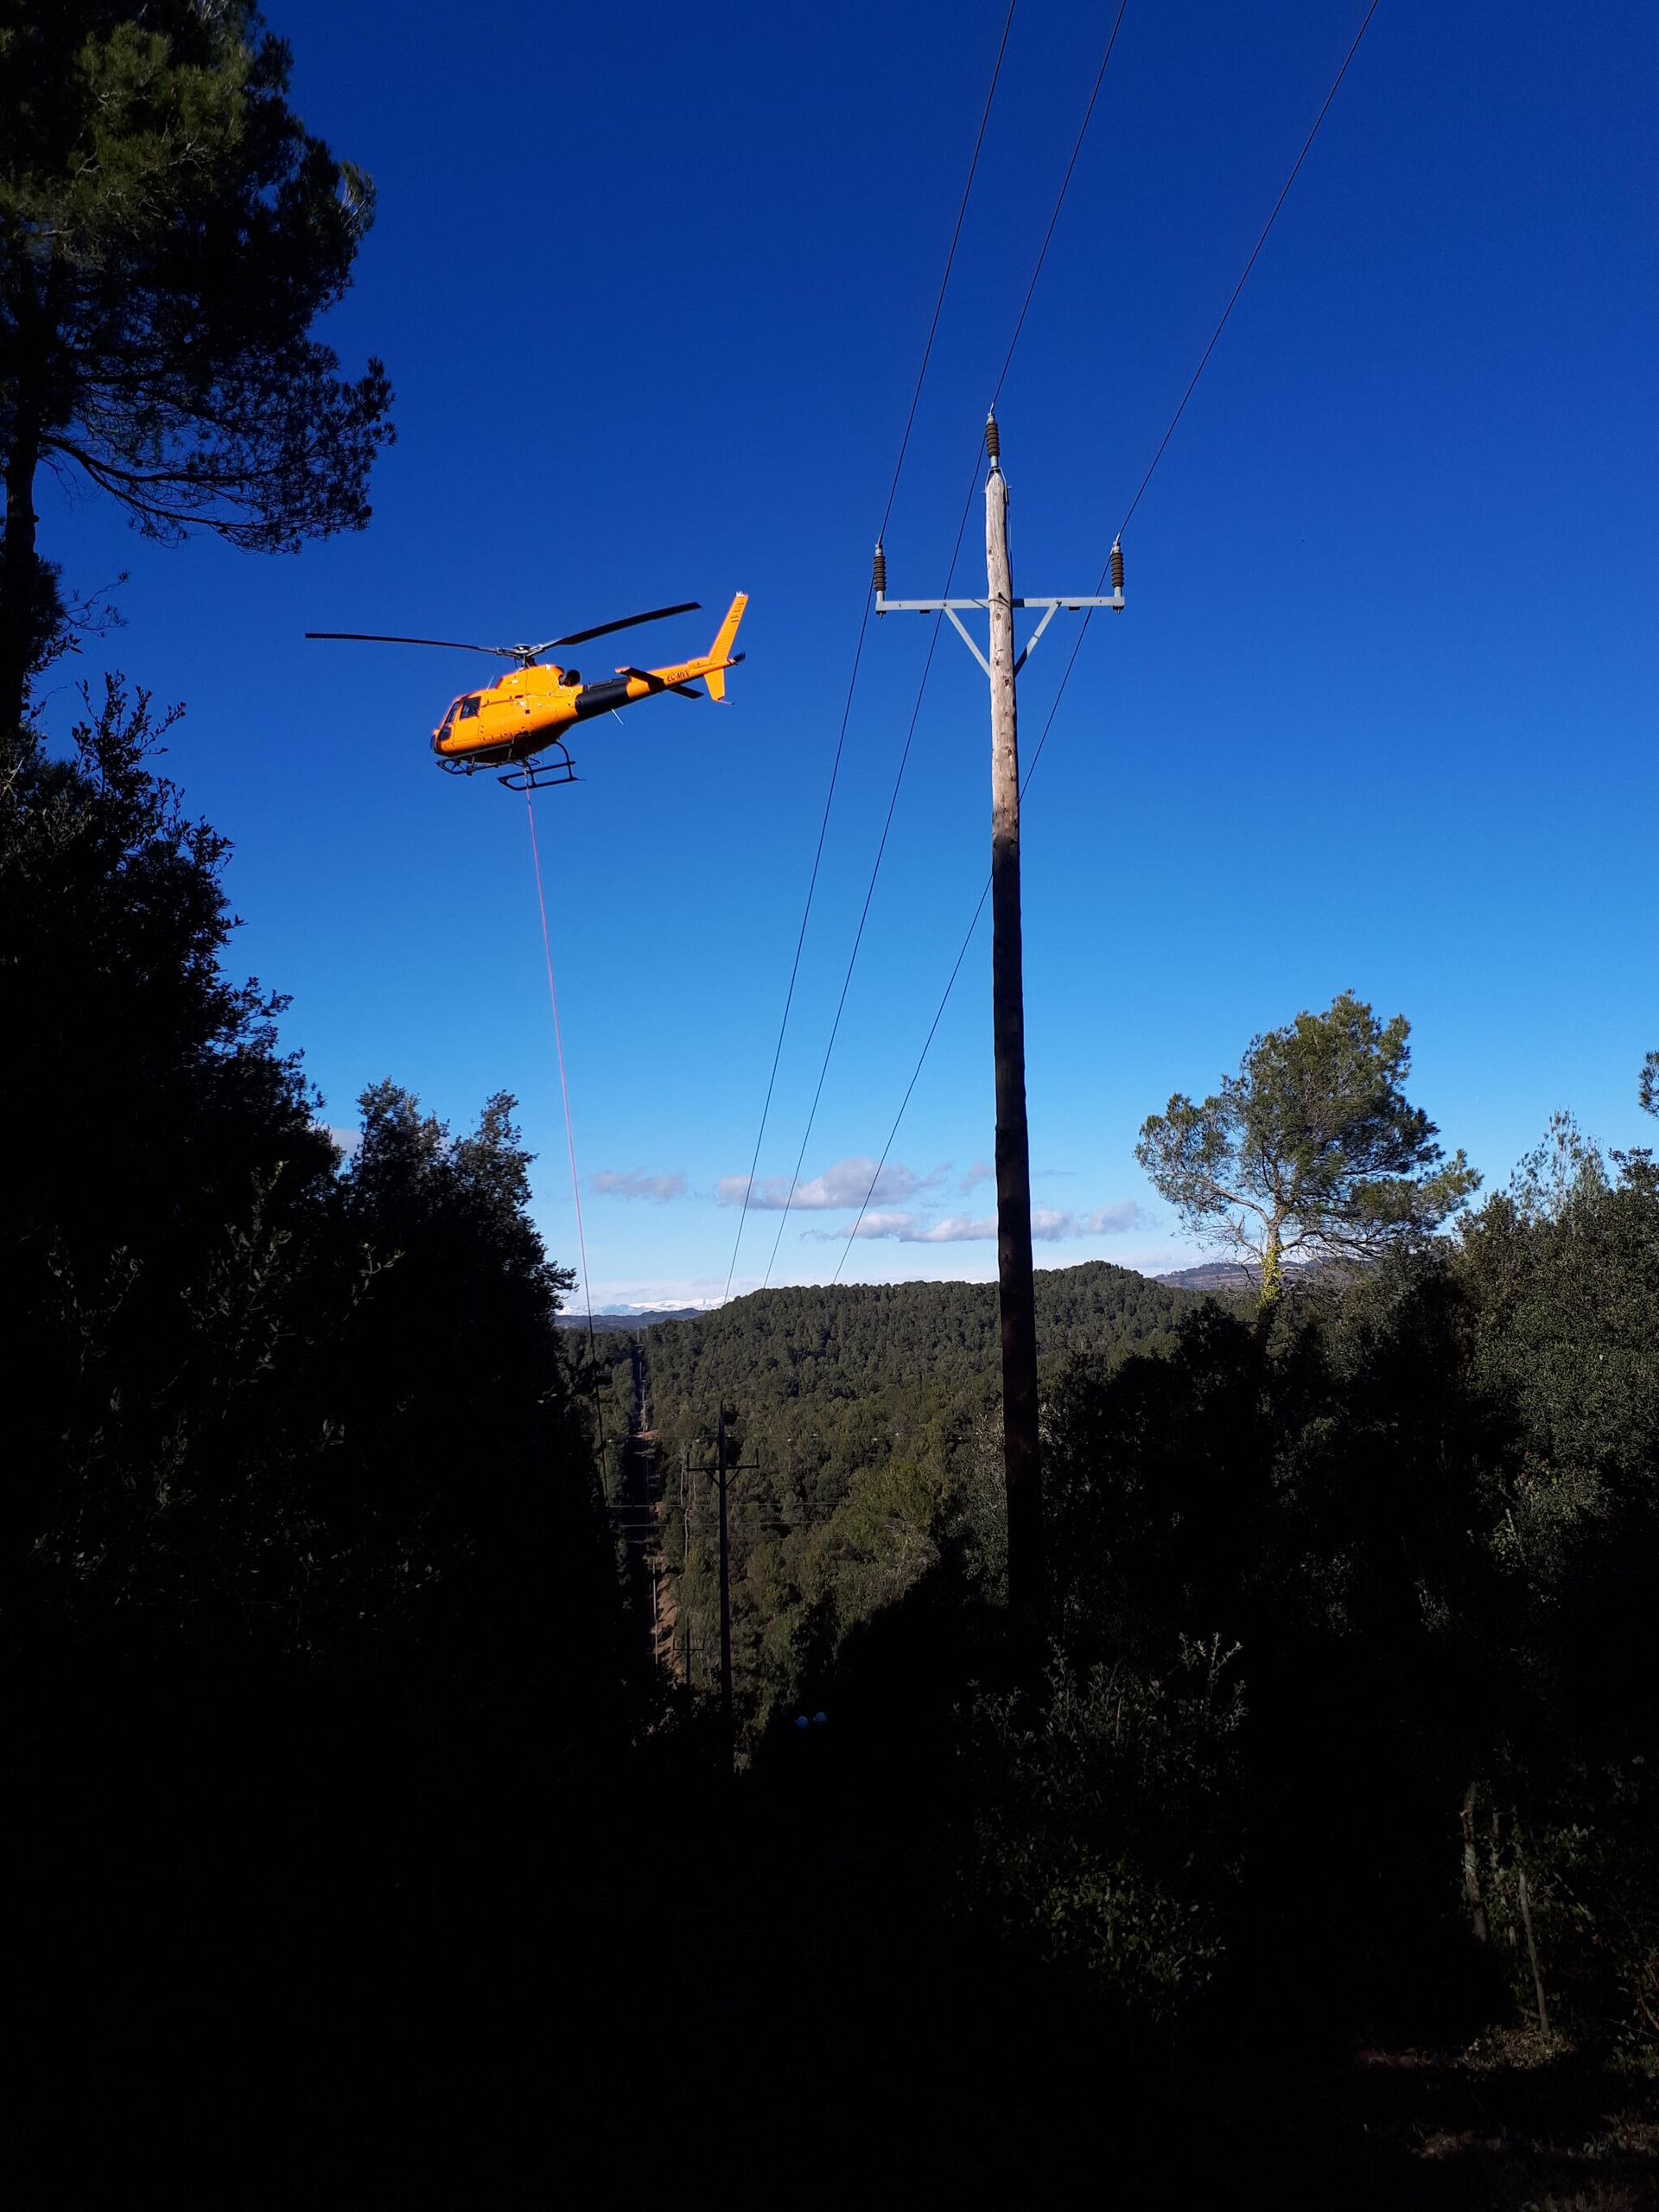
pixel 886 605
pixel 955 609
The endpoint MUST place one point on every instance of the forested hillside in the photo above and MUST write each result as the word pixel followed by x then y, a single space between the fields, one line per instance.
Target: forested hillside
pixel 861 1419
pixel 857 1340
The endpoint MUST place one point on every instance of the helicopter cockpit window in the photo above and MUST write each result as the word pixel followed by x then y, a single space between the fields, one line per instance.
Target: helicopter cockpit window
pixel 468 707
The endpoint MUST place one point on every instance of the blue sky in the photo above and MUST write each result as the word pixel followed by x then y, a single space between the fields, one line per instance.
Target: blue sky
pixel 652 286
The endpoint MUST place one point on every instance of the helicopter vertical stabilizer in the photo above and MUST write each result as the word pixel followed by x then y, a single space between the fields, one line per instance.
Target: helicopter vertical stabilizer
pixel 721 652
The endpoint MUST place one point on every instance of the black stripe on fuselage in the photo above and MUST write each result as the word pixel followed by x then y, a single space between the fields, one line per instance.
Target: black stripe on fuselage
pixel 599 698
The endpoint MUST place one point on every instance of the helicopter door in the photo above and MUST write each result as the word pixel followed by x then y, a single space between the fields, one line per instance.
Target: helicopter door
pixel 508 697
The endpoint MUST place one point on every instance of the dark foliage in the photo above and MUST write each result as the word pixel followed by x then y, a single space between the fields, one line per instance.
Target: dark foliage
pixel 304 1557
pixel 169 232
pixel 1427 1517
pixel 294 1417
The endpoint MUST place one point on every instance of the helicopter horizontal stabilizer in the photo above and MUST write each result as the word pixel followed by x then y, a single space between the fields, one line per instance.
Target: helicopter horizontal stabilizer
pixel 653 677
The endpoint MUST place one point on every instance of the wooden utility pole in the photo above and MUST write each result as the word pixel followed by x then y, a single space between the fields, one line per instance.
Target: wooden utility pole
pixel 1021 1467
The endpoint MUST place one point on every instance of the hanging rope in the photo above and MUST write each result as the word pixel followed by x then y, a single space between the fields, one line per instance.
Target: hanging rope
pixel 570 1138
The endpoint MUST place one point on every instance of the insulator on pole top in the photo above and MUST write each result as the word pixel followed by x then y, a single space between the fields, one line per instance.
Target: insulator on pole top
pixel 993 439
pixel 1117 564
pixel 880 571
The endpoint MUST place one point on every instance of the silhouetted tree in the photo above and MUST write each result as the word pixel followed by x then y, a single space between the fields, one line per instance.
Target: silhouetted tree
pixel 169 233
pixel 149 1118
pixel 270 1417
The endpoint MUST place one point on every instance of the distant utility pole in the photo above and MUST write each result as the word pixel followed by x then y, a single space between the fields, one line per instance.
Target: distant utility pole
pixel 722 1471
pixel 1022 1472
pixel 725 1593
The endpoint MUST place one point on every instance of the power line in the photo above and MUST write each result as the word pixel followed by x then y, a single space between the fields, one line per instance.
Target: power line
pixel 1203 359
pixel 1083 132
pixel 950 258
pixel 904 758
pixel 1083 627
pixel 869 894
pixel 795 968
pixel 944 999
pixel 858 650
pixel 915 1073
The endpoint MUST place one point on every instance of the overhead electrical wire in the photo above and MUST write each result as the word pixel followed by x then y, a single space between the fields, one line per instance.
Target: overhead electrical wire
pixel 1083 629
pixel 869 894
pixel 939 619
pixel 927 1041
pixel 858 650
pixel 795 966
pixel 944 999
pixel 950 260
pixel 1060 202
pixel 1203 359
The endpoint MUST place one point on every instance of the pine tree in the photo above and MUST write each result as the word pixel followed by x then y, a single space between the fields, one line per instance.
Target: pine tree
pixel 169 233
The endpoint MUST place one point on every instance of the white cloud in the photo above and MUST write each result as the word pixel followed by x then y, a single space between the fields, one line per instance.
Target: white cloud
pixel 349 1141
pixel 958 1230
pixel 907 1228
pixel 1049 1225
pixel 879 1224
pixel 847 1183
pixel 610 1183
pixel 1113 1221
pixel 1052 1226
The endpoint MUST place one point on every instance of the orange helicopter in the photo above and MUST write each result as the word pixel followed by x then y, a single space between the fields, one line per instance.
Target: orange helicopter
pixel 525 712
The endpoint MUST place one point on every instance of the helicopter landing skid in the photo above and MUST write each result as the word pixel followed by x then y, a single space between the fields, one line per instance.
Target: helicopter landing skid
pixel 533 776
pixel 541 775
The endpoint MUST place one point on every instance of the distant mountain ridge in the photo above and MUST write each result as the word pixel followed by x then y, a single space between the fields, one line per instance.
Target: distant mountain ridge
pixel 1211 1275
pixel 629 1317
pixel 1078 1308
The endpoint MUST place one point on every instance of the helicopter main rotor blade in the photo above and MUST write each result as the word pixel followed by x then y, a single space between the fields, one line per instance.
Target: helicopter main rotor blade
pixel 450 645
pixel 629 622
